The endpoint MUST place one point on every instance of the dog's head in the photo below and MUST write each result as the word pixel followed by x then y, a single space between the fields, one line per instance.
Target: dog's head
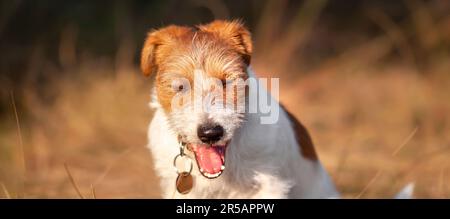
pixel 199 76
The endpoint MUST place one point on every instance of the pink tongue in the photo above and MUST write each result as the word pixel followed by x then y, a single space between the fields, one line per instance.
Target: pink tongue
pixel 210 158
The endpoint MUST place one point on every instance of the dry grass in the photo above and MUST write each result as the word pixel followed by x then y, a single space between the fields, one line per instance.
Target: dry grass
pixel 95 125
pixel 376 132
pixel 376 126
pixel 393 126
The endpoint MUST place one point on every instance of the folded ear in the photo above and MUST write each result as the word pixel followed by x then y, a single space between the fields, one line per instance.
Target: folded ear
pixel 235 33
pixel 152 52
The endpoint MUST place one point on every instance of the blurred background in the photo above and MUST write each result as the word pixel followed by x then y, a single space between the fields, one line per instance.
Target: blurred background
pixel 370 80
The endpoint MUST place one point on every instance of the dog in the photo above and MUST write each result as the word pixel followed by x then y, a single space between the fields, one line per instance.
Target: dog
pixel 231 154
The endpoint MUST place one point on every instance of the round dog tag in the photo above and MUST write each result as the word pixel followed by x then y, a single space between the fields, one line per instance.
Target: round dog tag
pixel 184 182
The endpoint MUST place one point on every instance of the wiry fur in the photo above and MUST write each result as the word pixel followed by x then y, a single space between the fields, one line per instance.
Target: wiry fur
pixel 262 160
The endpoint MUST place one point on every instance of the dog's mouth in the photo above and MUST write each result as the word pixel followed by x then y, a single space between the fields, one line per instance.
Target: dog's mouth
pixel 210 159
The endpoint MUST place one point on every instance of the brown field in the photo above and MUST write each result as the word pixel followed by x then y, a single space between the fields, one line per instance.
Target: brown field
pixel 377 125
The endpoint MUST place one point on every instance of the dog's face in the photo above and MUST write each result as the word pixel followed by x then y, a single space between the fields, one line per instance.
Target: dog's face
pixel 199 78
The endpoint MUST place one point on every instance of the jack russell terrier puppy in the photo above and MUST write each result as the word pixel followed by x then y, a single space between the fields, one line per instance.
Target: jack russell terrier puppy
pixel 210 137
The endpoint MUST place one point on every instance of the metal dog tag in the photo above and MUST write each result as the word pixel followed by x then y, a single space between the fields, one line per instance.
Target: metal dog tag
pixel 184 182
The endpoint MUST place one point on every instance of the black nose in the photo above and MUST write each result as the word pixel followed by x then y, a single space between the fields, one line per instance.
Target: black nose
pixel 210 133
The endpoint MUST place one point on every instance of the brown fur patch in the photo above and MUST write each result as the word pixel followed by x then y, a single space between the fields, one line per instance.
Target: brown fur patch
pixel 159 44
pixel 303 138
pixel 220 49
pixel 234 33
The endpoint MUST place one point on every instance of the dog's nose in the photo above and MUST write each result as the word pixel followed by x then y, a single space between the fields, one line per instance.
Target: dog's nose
pixel 210 133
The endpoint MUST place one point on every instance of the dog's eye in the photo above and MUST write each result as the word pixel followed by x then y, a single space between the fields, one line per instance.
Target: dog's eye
pixel 179 86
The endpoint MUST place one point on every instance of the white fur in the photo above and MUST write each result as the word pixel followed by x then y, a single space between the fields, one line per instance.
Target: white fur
pixel 406 192
pixel 262 161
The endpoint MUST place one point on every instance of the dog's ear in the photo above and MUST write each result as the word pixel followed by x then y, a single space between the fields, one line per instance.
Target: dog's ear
pixel 235 33
pixel 151 52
